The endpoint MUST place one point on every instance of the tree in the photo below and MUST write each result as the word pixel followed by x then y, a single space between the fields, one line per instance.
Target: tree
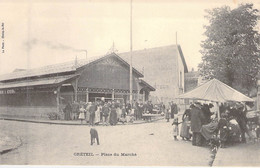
pixel 231 50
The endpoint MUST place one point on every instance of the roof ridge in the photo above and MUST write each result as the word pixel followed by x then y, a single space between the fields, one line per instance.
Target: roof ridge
pixel 172 45
pixel 53 65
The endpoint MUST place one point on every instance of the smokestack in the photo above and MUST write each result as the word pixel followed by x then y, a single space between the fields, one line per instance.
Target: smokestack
pixel 86 51
pixel 76 62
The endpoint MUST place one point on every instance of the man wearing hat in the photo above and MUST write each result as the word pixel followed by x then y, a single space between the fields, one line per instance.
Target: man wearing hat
pixel 196 123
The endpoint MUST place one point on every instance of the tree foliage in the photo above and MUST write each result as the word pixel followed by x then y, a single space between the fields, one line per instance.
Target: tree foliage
pixel 231 51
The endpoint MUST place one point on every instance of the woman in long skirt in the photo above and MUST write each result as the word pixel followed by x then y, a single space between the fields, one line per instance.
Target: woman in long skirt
pixel 113 115
pixel 185 126
pixel 87 112
pixel 118 112
pixel 97 115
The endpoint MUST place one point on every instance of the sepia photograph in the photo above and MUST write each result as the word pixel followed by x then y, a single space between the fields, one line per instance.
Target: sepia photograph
pixel 130 83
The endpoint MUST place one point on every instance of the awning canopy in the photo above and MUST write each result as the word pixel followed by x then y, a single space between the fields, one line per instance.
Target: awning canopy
pixel 37 82
pixel 216 91
pixel 144 83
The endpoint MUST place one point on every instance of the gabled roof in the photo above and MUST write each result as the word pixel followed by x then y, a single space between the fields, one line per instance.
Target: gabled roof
pixel 124 61
pixel 60 68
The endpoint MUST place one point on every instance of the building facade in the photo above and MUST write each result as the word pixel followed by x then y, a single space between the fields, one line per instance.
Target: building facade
pixel 36 92
pixel 164 68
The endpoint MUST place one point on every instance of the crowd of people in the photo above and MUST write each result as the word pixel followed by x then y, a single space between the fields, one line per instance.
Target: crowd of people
pixel 201 124
pixel 107 113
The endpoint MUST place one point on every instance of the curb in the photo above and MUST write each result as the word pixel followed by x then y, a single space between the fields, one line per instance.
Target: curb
pixel 57 123
pixel 216 158
pixel 17 143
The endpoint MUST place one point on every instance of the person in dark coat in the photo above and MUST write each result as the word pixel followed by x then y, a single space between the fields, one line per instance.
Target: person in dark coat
pixel 141 108
pixel 207 113
pixel 242 122
pixel 174 109
pixel 128 107
pixel 223 130
pixel 93 136
pixel 123 115
pixel 150 107
pixel 162 108
pixel 67 111
pixel 136 110
pixel 113 115
pixel 105 113
pixel 196 124
pixel 75 110
pixel 92 110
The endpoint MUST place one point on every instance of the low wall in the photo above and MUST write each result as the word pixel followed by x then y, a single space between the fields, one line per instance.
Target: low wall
pixel 26 112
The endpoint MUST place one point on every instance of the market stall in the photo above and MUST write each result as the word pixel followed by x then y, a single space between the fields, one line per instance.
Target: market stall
pixel 216 91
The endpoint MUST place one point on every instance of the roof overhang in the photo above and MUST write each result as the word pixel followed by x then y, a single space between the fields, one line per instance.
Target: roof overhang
pixel 39 82
pixel 141 81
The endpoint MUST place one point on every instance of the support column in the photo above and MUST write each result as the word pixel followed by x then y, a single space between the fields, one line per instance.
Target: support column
pixel 58 99
pixel 87 96
pixel 75 86
pixel 76 90
pixel 113 94
pixel 138 89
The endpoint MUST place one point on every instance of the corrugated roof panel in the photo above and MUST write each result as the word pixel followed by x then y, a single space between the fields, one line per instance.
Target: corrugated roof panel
pixel 41 81
pixel 49 69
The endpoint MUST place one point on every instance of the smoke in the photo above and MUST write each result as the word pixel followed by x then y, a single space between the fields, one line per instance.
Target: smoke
pixel 56 46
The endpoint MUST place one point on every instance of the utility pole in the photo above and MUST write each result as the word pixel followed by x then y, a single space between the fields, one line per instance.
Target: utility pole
pixel 177 63
pixel 131 48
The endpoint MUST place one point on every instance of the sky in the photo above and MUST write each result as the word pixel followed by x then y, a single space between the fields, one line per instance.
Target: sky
pixel 39 33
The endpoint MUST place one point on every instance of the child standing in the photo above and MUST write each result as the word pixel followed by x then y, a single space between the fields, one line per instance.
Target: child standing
pixel 175 128
pixel 82 113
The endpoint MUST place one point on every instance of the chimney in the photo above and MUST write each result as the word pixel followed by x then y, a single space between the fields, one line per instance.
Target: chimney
pixel 76 62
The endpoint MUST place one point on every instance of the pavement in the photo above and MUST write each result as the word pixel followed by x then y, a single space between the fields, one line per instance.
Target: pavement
pixel 8 142
pixel 154 145
pixel 71 122
pixel 238 155
pixel 148 144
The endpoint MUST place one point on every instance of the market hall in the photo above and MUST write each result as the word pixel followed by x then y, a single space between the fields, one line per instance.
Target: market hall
pixel 36 92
